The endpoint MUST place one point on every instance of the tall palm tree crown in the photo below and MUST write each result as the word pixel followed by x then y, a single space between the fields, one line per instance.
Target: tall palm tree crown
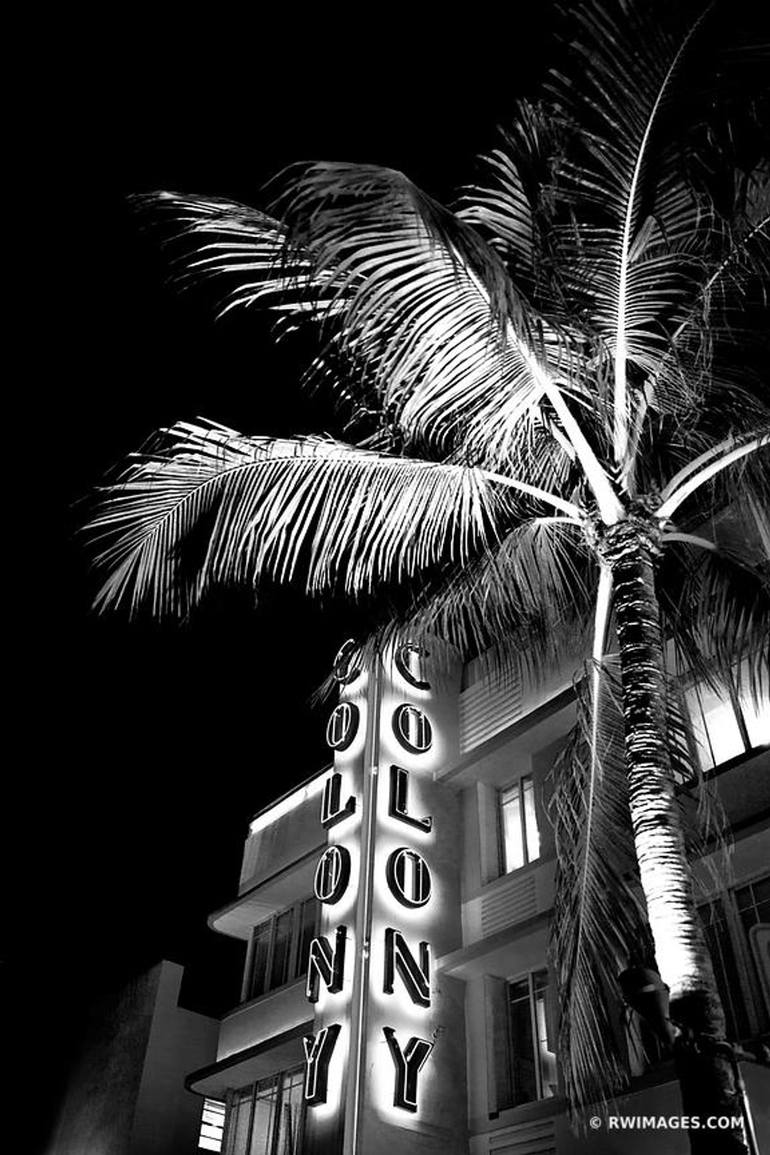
pixel 551 393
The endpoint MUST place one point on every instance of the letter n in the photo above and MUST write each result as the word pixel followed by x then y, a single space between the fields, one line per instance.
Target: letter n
pixel 318 1053
pixel 415 976
pixel 408 1064
pixel 326 964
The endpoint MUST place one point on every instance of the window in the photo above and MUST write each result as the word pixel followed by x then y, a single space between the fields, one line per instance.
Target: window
pixel 267 1118
pixel 532 1063
pixel 728 921
pixel 753 903
pixel 212 1125
pixel 722 951
pixel 726 723
pixel 520 836
pixel 753 906
pixel 279 948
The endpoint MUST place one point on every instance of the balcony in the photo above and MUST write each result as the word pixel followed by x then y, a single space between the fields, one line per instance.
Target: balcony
pixel 283 834
pixel 261 1019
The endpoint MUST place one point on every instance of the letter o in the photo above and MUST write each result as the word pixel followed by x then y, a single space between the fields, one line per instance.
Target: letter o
pixel 403 654
pixel 332 874
pixel 408 877
pixel 342 726
pixel 343 669
pixel 413 729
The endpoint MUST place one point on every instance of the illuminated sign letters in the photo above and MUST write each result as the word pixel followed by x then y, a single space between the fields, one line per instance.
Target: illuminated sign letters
pixel 408 877
pixel 326 965
pixel 408 1064
pixel 412 728
pixel 415 976
pixel 397 804
pixel 342 726
pixel 331 811
pixel 407 663
pixel 343 669
pixel 332 874
pixel 318 1053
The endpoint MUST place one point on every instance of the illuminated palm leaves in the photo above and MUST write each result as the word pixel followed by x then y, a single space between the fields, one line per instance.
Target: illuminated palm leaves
pixel 635 249
pixel 204 505
pixel 409 297
pixel 529 592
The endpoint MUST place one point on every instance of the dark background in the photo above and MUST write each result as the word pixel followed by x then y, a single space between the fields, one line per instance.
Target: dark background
pixel 141 750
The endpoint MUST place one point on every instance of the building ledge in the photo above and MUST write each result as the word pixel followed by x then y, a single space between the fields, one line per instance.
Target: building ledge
pixel 269 896
pixel 479 957
pixel 530 728
pixel 245 1067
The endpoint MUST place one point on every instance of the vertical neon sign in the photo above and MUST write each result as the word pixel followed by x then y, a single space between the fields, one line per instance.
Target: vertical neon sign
pixel 375 876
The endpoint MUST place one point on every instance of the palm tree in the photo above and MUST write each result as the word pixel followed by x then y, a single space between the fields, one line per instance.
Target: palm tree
pixel 548 394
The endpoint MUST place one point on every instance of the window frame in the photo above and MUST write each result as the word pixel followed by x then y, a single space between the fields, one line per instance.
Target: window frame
pixel 690 686
pixel 517 783
pixel 754 1002
pixel 529 977
pixel 212 1106
pixel 279 1079
pixel 296 967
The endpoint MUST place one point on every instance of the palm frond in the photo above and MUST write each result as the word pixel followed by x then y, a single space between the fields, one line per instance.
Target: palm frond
pixel 432 317
pixel 635 251
pixel 509 203
pixel 702 815
pixel 715 606
pixel 528 596
pixel 686 373
pixel 205 505
pixel 244 249
pixel 413 298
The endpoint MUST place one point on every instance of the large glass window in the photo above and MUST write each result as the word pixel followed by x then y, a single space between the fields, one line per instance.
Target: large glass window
pixel 280 947
pixel 267 1117
pixel 532 1062
pixel 726 722
pixel 520 835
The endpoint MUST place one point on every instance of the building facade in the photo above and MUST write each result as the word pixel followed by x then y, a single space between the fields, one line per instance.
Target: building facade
pixel 126 1094
pixel 395 910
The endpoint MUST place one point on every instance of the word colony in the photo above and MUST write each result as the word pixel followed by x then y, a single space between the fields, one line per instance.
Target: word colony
pixel 408 878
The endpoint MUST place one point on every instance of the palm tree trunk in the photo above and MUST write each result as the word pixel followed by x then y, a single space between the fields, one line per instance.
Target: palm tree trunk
pixel 706 1078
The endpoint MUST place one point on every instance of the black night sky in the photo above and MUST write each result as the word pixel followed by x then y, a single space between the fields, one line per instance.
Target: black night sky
pixel 142 751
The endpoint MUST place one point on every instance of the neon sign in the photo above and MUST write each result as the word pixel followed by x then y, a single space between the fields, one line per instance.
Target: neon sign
pixel 406 963
pixel 397 803
pixel 318 1053
pixel 408 877
pixel 332 874
pixel 342 726
pixel 415 976
pixel 326 965
pixel 331 811
pixel 408 1063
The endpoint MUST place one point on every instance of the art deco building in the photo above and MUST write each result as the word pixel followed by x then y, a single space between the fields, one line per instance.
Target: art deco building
pixel 395 909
